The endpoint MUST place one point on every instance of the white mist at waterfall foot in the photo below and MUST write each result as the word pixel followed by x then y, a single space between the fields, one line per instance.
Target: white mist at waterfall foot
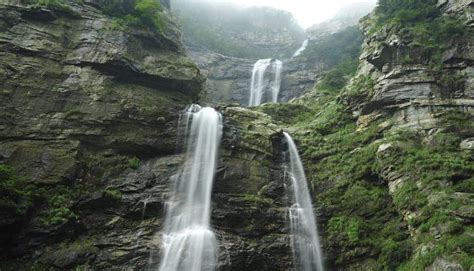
pixel 304 233
pixel 301 49
pixel 188 243
pixel 258 84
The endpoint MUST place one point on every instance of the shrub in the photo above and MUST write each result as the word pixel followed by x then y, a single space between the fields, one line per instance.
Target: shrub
pixel 134 163
pixel 58 211
pixel 112 193
pixel 16 195
pixel 336 49
pixel 135 13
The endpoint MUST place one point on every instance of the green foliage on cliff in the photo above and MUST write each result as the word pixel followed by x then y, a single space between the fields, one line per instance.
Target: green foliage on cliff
pixel 137 13
pixel 349 174
pixel 339 76
pixel 58 204
pixel 363 221
pixel 16 195
pixel 438 178
pixel 134 163
pixel 407 11
pixel 335 49
pixel 112 193
pixel 239 32
pixel 422 21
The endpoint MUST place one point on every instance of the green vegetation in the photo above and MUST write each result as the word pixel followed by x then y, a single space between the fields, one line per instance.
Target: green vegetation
pixel 112 193
pixel 137 13
pixel 350 179
pixel 407 11
pixel 421 20
pixel 338 77
pixel 258 200
pixel 341 48
pixel 17 195
pixel 59 200
pixel 231 30
pixel 134 163
pixel 436 170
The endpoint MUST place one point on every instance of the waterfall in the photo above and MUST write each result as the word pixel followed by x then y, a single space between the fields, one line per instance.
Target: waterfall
pixel 258 84
pixel 304 233
pixel 302 48
pixel 277 67
pixel 188 243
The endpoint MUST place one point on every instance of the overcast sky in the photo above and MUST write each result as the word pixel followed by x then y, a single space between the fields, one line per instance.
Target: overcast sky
pixel 306 12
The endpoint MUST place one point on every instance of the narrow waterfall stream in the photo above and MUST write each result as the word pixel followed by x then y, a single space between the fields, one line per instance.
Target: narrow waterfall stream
pixel 302 48
pixel 188 243
pixel 304 233
pixel 277 68
pixel 258 84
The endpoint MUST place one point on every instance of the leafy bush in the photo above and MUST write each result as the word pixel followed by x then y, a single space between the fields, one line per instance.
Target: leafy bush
pixel 135 12
pixel 333 50
pixel 338 77
pixel 59 201
pixel 16 195
pixel 134 163
pixel 112 193
pixel 407 10
pixel 422 21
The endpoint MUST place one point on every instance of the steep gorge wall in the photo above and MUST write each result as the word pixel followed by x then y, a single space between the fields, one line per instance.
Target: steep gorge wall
pixel 81 97
pixel 89 117
pixel 389 156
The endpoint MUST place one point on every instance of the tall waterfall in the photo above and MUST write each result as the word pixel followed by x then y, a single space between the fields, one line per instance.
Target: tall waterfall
pixel 277 67
pixel 302 48
pixel 258 85
pixel 304 233
pixel 188 243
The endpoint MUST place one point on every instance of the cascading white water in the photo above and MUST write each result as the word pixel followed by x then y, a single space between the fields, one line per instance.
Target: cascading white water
pixel 277 68
pixel 302 48
pixel 304 233
pixel 258 85
pixel 188 243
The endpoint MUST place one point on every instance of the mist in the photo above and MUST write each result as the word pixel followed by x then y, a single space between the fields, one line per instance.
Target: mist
pixel 305 12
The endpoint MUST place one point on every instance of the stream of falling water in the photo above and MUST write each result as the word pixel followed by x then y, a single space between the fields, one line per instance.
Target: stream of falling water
pixel 258 83
pixel 302 48
pixel 304 233
pixel 188 243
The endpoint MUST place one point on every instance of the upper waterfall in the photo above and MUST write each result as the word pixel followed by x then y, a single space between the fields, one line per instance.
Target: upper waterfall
pixel 188 243
pixel 305 243
pixel 258 85
pixel 302 48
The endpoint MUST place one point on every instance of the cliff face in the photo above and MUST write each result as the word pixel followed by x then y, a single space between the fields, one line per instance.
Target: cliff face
pixel 228 78
pixel 89 117
pixel 82 96
pixel 389 155
pixel 330 44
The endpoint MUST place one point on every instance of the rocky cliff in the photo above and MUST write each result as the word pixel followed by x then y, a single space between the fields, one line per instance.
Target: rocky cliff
pixel 84 99
pixel 389 155
pixel 90 111
pixel 229 77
